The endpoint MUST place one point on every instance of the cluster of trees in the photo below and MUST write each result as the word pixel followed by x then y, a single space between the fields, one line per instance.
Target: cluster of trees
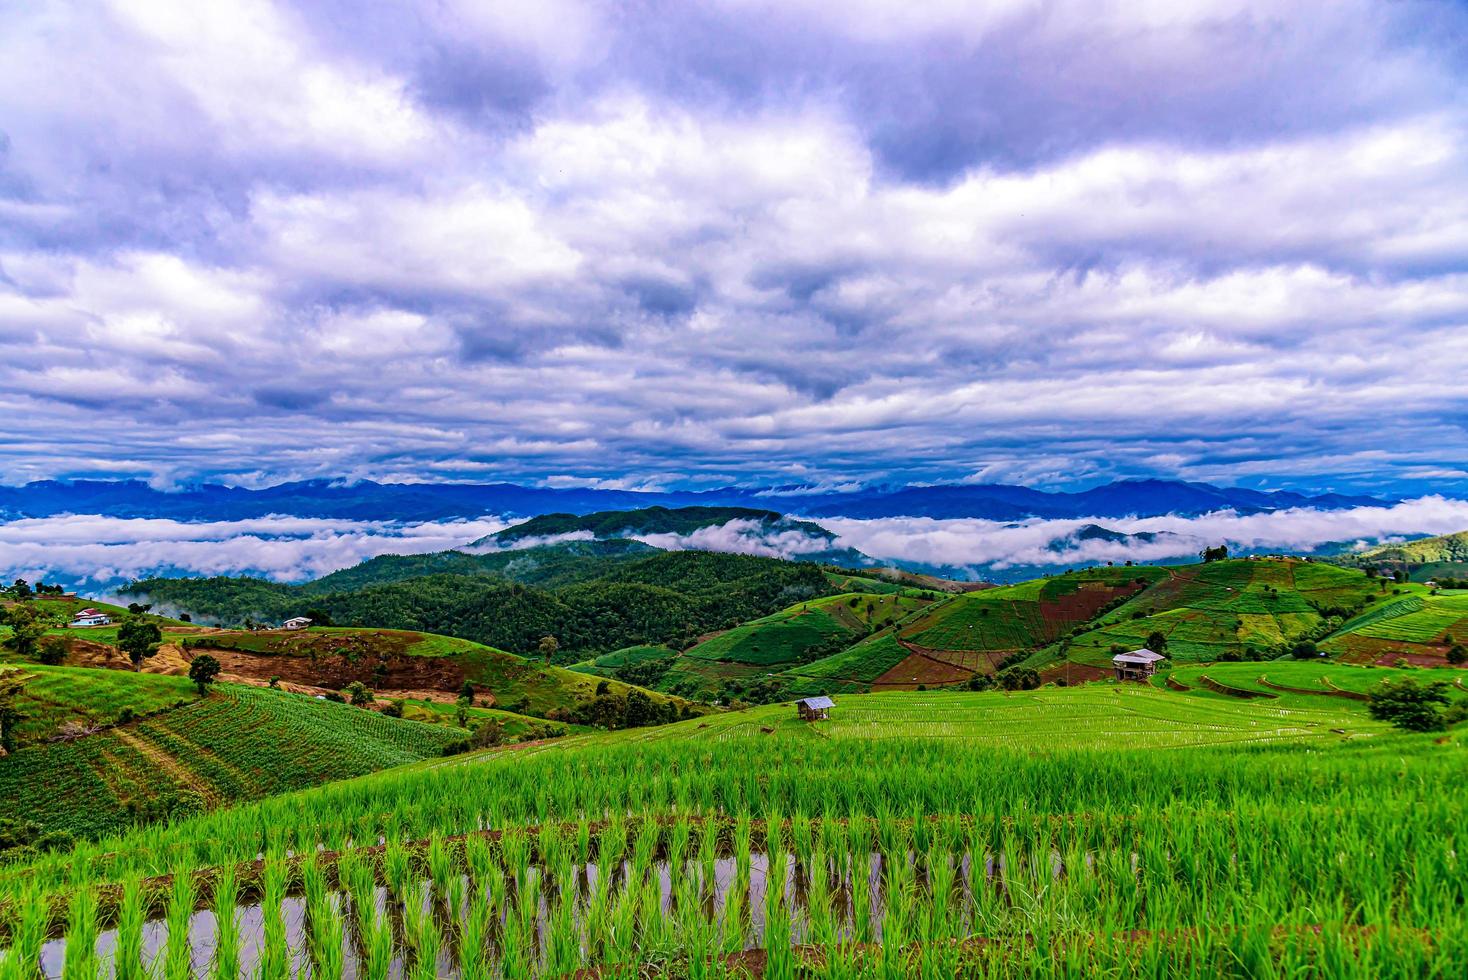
pixel 20 590
pixel 1007 679
pixel 1415 707
pixel 670 598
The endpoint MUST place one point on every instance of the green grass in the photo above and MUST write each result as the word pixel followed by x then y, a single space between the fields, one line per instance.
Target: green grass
pixel 864 662
pixel 1100 831
pixel 1025 615
pixel 1046 719
pixel 515 726
pixel 787 637
pixel 238 744
pixel 55 696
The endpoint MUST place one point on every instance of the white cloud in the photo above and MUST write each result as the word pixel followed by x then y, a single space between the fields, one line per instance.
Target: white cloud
pixel 973 542
pixel 105 550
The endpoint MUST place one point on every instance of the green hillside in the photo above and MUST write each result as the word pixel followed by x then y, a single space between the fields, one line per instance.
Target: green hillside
pixel 546 566
pixel 1229 608
pixel 980 629
pixel 240 743
pixel 1444 556
pixel 1412 625
pixel 665 597
pixel 62 701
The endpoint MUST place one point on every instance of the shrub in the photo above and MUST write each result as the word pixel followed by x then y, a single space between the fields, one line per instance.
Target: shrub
pixel 1410 706
pixel 1018 679
pixel 52 651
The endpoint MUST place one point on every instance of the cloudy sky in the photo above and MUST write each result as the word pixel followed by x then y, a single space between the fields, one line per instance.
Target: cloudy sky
pixel 678 244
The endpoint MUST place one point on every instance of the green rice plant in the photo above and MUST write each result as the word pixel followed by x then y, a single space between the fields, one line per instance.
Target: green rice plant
pixel 274 951
pixel 178 953
pixel 224 896
pixel 127 956
pixel 327 930
pixel 81 938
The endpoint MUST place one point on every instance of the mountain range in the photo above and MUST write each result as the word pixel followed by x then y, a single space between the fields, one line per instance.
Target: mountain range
pixel 369 501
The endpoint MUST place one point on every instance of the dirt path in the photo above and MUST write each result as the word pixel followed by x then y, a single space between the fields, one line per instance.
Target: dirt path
pixel 181 773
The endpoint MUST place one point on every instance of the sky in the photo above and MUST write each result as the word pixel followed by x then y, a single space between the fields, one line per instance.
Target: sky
pixel 649 244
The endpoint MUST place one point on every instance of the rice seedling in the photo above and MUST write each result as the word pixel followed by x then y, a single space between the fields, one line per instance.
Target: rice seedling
pixel 179 951
pixel 81 938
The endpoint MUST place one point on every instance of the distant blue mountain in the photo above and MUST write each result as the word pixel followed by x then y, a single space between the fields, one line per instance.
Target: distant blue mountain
pixel 366 500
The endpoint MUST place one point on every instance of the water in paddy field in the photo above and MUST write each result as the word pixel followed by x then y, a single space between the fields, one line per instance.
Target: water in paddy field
pixel 746 918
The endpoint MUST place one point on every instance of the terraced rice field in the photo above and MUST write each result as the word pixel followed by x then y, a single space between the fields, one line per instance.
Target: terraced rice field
pixel 1045 719
pixel 1092 832
pixel 240 743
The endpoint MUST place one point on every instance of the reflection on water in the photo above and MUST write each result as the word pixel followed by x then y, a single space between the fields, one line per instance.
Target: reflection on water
pixel 729 894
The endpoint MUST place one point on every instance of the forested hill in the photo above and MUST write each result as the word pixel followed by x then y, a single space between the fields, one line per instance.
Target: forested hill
pixel 548 565
pixel 1445 549
pixel 666 597
pixel 651 520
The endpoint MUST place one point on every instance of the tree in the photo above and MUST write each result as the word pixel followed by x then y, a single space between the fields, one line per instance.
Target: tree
pixel 466 693
pixel 51 651
pixel 139 639
pixel 1456 654
pixel 185 618
pixel 1304 650
pixel 981 682
pixel 640 710
pixel 548 647
pixel 20 590
pixel 1215 554
pixel 1018 679
pixel 27 628
pixel 11 683
pixel 202 672
pixel 358 694
pixel 319 616
pixel 1410 706
pixel 137 608
pixel 489 734
pixel 1156 642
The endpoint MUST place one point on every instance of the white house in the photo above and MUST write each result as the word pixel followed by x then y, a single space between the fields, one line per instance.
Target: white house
pixel 90 617
pixel 298 623
pixel 1137 665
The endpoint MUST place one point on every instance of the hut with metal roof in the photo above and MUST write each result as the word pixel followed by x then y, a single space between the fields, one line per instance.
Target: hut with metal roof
pixel 814 709
pixel 1137 665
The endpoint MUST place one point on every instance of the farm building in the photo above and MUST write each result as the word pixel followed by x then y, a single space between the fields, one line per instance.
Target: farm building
pixel 1137 665
pixel 814 709
pixel 90 617
pixel 298 623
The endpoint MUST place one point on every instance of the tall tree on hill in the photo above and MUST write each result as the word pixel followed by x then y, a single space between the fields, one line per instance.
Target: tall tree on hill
pixel 548 647
pixel 139 639
pixel 27 628
pixel 1156 642
pixel 202 672
pixel 11 683
pixel 1214 554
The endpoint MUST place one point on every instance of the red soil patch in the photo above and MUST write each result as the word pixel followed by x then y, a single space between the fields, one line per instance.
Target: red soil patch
pixel 1073 673
pixel 1391 658
pixel 919 668
pixel 436 676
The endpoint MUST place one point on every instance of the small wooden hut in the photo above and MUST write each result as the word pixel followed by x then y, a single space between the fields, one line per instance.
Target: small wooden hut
pixel 1137 665
pixel 814 709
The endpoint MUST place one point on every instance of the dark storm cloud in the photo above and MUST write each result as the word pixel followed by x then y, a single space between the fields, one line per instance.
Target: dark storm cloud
pixel 656 242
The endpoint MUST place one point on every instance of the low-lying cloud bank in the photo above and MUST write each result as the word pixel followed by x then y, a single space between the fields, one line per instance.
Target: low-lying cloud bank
pixel 98 552
pixel 88 550
pixel 998 545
